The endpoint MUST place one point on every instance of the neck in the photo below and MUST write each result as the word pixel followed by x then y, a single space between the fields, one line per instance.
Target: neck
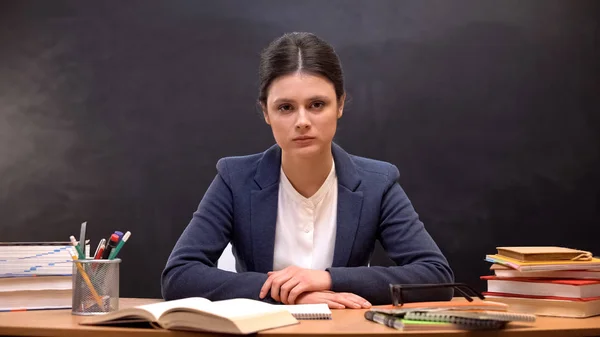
pixel 307 174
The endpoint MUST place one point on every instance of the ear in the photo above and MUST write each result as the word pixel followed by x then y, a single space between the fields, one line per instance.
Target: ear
pixel 263 107
pixel 341 106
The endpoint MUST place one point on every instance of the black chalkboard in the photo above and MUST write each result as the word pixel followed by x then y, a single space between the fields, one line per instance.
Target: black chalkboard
pixel 116 112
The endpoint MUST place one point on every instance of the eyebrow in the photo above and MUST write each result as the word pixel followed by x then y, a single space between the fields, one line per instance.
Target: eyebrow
pixel 312 98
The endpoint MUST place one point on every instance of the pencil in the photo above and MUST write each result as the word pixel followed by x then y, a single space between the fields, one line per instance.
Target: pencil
pixel 86 278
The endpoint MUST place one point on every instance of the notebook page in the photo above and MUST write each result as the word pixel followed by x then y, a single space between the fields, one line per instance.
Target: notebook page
pixel 309 311
pixel 492 315
pixel 477 304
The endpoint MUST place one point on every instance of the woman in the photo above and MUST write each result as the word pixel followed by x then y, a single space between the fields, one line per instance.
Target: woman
pixel 304 215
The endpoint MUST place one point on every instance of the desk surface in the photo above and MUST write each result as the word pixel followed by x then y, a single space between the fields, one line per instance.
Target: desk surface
pixel 345 323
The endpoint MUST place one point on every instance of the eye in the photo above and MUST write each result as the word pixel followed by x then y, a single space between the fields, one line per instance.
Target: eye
pixel 317 105
pixel 285 108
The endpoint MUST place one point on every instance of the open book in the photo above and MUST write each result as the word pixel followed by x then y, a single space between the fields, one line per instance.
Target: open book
pixel 235 316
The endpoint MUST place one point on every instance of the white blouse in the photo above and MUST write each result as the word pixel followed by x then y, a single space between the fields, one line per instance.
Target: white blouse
pixel 306 227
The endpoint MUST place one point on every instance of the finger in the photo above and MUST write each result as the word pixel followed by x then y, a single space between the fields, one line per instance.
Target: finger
pixel 278 281
pixel 347 302
pixel 284 270
pixel 266 286
pixel 284 292
pixel 334 305
pixel 295 292
pixel 268 283
pixel 334 300
pixel 357 299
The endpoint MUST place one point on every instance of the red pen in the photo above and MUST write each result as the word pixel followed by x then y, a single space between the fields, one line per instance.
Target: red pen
pixel 99 252
pixel 102 242
pixel 98 255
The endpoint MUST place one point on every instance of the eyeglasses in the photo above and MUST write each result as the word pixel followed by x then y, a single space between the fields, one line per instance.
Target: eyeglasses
pixel 397 290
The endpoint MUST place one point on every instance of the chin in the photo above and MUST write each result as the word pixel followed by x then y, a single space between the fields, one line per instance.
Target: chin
pixel 305 151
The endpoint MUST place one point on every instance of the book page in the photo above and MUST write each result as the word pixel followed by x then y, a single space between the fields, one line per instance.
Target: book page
pixel 194 303
pixel 593 263
pixel 150 312
pixel 237 308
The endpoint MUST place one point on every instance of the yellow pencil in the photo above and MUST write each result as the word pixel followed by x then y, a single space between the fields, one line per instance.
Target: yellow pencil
pixel 86 278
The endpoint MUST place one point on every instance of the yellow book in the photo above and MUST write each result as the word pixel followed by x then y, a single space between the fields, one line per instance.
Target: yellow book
pixel 544 253
pixel 593 263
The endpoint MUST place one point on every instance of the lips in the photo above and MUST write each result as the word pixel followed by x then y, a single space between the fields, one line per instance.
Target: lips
pixel 301 138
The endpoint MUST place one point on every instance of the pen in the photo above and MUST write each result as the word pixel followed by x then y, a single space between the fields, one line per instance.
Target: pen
pixel 115 251
pixel 86 278
pixel 77 248
pixel 387 320
pixel 112 243
pixel 82 239
pixel 100 244
pixel 119 234
pixel 100 251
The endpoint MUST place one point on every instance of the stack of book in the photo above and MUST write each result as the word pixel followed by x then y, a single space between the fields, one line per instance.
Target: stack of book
pixel 547 281
pixel 35 275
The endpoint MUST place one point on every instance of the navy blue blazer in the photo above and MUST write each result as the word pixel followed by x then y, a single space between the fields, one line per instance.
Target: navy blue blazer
pixel 240 207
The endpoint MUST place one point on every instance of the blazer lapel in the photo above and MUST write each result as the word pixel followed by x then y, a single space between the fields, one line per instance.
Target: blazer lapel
pixel 349 206
pixel 263 209
pixel 348 217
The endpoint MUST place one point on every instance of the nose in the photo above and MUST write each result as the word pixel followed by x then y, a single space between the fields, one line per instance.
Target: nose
pixel 302 122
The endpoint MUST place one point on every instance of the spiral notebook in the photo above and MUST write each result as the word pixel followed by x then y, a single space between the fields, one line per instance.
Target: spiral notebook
pixel 470 319
pixel 495 315
pixel 309 311
pixel 429 321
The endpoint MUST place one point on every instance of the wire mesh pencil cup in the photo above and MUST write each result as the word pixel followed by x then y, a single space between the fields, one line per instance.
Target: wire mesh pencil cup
pixel 95 286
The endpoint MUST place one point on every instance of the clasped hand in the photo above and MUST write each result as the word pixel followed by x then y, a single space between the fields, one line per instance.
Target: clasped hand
pixel 287 284
pixel 294 284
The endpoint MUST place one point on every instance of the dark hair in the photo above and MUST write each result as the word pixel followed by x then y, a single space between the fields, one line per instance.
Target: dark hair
pixel 303 52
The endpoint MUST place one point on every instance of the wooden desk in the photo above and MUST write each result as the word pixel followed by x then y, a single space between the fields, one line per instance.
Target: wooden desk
pixel 345 323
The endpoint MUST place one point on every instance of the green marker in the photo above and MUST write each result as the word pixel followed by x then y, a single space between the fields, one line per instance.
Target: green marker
pixel 77 248
pixel 115 251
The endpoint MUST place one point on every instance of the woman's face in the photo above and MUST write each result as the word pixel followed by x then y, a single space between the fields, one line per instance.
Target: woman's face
pixel 302 111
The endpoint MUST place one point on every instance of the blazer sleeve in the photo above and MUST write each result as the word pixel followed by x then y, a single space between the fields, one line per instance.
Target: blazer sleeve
pixel 191 270
pixel 417 257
